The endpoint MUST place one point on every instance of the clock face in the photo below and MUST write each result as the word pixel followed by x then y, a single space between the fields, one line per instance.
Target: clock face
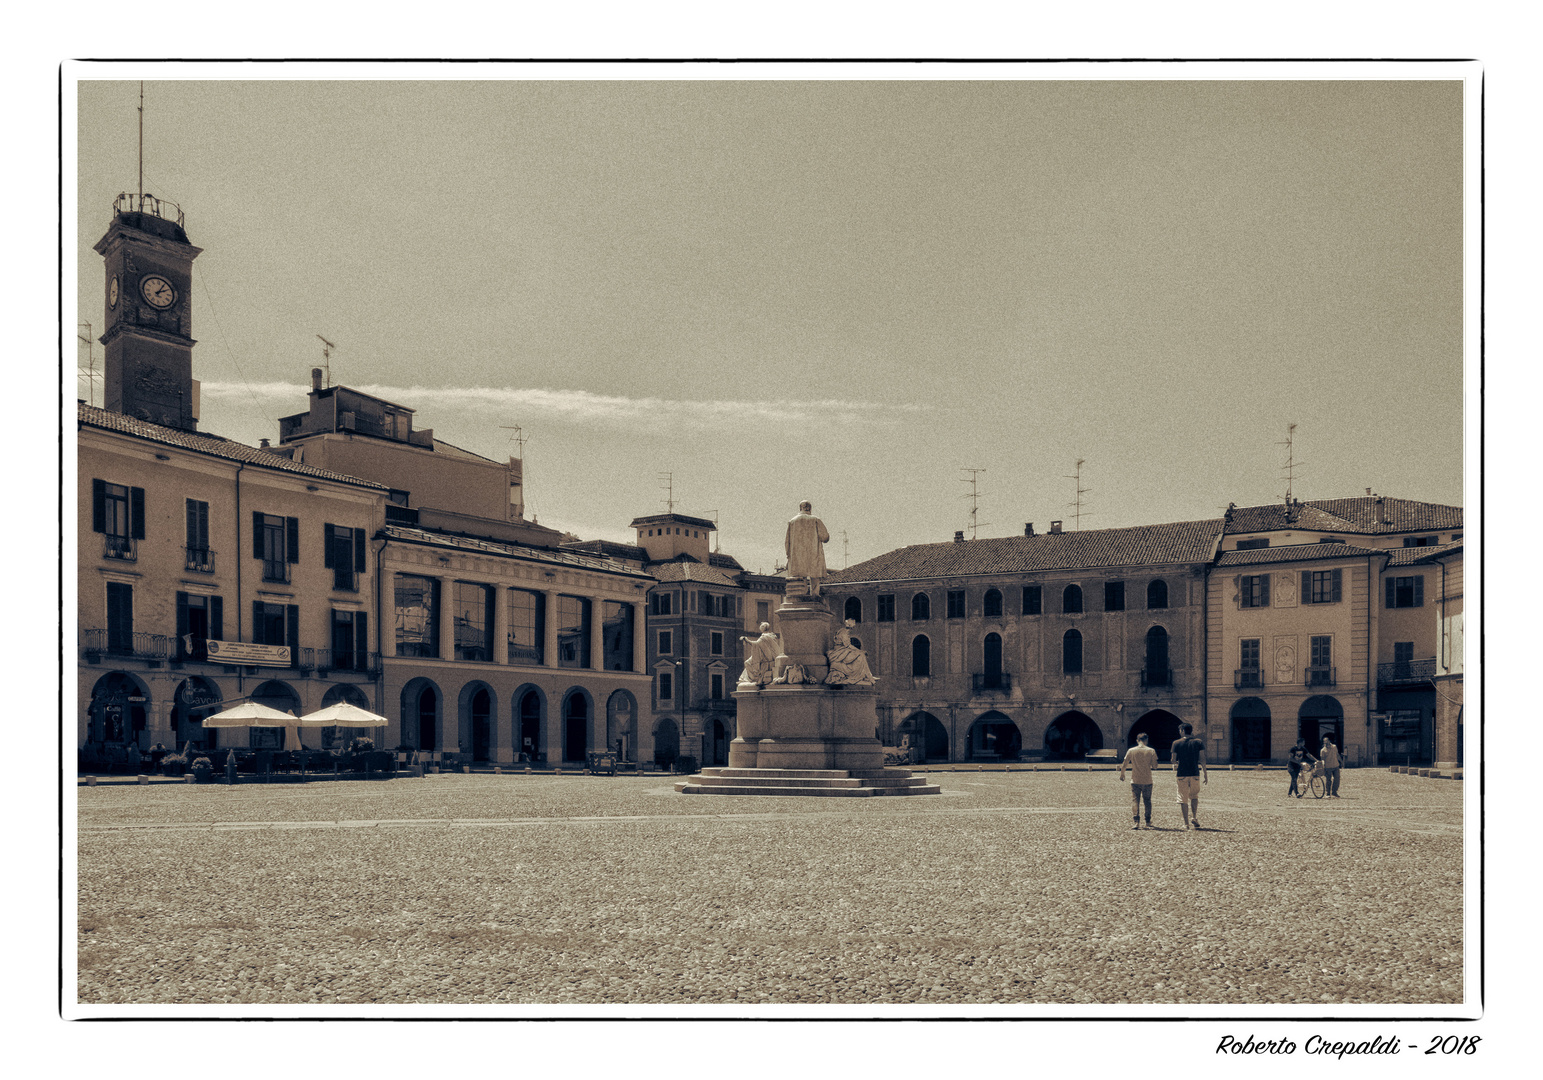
pixel 112 292
pixel 157 291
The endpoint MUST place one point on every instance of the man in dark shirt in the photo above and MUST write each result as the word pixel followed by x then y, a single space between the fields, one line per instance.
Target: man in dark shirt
pixel 1188 754
pixel 1295 760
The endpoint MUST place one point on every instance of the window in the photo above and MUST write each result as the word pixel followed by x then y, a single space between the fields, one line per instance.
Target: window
pixel 921 657
pixel 573 627
pixel 921 607
pixel 1033 599
pixel 1406 591
pixel 1321 586
pixel 1071 653
pixel 118 512
pixel 350 640
pixel 1157 594
pixel 473 620
pixel 1254 590
pixel 1420 541
pixel 1157 670
pixel 666 686
pixel 1250 545
pixel 1114 596
pixel 1071 599
pixel 417 616
pixel 277 624
pixel 276 541
pixel 199 556
pixel 1320 671
pixel 854 608
pixel 1248 662
pixel 715 643
pixel 661 603
pixel 527 627
pixel 199 618
pixel 343 554
pixel 715 686
pixel 886 608
pixel 120 617
pixel 956 603
pixel 1403 657
pixel 666 643
pixel 762 612
pixel 616 635
pixel 991 604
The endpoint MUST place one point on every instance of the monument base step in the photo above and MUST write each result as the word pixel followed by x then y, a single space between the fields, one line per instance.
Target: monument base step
pixel 828 783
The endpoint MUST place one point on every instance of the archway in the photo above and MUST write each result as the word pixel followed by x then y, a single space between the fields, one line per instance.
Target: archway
pixel 719 746
pixel 477 719
pixel 993 736
pixel 420 715
pixel 276 694
pixel 346 693
pixel 992 649
pixel 528 720
pixel 1161 728
pixel 1072 736
pixel 666 744
pixel 1319 716
pixel 991 604
pixel 575 726
pixel 854 609
pixel 194 699
pixel 1250 730
pixel 621 725
pixel 116 715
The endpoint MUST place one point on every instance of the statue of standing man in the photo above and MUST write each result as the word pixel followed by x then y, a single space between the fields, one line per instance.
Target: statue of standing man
pixel 806 549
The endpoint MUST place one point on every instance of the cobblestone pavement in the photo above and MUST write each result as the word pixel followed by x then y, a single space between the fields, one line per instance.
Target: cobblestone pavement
pixel 1007 888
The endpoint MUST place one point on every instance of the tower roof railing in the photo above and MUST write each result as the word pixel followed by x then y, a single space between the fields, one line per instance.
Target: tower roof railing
pixel 166 210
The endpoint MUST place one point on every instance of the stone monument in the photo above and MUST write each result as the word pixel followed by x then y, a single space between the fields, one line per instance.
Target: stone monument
pixel 805 704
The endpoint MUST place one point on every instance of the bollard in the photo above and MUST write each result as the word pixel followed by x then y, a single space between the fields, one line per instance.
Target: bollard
pixel 187 778
pixel 143 779
pixel 527 770
pixel 466 768
pixel 559 770
pixel 498 770
pixel 91 781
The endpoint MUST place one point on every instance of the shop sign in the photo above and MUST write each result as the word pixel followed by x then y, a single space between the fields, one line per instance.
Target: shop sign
pixel 243 652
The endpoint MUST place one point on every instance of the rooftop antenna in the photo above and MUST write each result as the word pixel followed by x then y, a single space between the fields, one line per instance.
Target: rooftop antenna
pixel 667 481
pixel 1076 505
pixel 974 497
pixel 717 536
pixel 519 438
pixel 326 356
pixel 846 550
pixel 89 374
pixel 141 203
pixel 1292 464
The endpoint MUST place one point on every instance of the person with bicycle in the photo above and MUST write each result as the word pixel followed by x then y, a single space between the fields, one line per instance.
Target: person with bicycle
pixel 1296 760
pixel 1329 754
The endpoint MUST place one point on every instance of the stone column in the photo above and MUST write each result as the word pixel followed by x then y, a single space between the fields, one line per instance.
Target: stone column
pixel 639 636
pixel 500 629
pixel 549 645
pixel 556 728
pixel 385 618
pixel 446 618
pixel 596 633
pixel 449 705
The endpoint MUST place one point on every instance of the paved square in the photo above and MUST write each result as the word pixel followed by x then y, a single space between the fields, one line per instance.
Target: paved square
pixel 1008 888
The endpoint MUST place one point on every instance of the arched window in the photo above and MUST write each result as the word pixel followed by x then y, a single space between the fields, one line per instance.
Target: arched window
pixel 921 656
pixel 1157 594
pixel 991 607
pixel 1071 599
pixel 1157 672
pixel 921 607
pixel 1071 652
pixel 854 608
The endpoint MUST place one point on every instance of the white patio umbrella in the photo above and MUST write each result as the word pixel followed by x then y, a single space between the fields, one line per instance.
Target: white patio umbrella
pixel 343 715
pixel 250 714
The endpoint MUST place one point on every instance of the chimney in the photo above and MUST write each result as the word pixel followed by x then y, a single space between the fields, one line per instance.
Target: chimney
pixel 1028 528
pixel 1368 493
pixel 315 379
pixel 262 444
pixel 1055 527
pixel 959 536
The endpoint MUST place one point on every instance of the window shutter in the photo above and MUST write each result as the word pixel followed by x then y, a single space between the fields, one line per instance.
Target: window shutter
pixel 217 618
pixel 1419 590
pixel 98 506
pixel 292 631
pixel 362 639
pixel 1264 590
pixel 137 513
pixel 257 535
pixel 182 624
pixel 359 554
pixel 192 524
pixel 326 547
pixel 1338 579
pixel 292 538
pixel 1391 592
pixel 1307 586
pixel 257 623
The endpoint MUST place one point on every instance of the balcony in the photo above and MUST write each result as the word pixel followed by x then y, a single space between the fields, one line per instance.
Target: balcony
pixel 1248 678
pixel 1318 675
pixel 344 581
pixel 200 560
pixel 99 643
pixel 1406 672
pixel 999 683
pixel 401 515
pixel 1157 678
pixel 348 661
pixel 119 547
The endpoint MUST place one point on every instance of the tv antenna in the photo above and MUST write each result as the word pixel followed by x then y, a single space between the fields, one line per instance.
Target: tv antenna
pixel 667 481
pixel 974 497
pixel 141 205
pixel 519 438
pixel 326 356
pixel 717 536
pixel 846 550
pixel 1292 464
pixel 89 374
pixel 1076 505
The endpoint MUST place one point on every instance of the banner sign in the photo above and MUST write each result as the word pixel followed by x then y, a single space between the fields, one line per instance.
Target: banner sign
pixel 242 652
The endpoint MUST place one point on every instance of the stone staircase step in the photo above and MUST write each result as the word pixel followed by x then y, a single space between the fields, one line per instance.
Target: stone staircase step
pixel 686 787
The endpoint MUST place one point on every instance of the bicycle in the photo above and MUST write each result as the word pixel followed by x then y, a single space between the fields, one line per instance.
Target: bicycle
pixel 1311 780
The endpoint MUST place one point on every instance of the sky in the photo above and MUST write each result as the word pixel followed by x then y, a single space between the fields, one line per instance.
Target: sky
pixel 851 292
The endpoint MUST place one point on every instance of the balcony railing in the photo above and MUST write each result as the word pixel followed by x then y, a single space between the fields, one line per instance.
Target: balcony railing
pixel 348 660
pixel 1156 677
pixel 1406 671
pixel 344 581
pixel 1318 675
pixel 200 560
pixel 165 209
pixel 1247 678
pixel 999 683
pixel 119 547
pixel 99 643
pixel 276 570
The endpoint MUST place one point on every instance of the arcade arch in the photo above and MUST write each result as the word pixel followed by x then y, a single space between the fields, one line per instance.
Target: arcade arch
pixel 1072 736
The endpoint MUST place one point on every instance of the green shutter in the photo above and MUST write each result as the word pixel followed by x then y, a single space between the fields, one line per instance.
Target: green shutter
pixel 359 553
pixel 217 618
pixel 292 631
pixel 1338 582
pixel 1307 586
pixel 137 513
pixel 326 546
pixel 1392 591
pixel 182 624
pixel 257 535
pixel 257 624
pixel 98 506
pixel 1264 590
pixel 362 640
pixel 1419 590
pixel 292 538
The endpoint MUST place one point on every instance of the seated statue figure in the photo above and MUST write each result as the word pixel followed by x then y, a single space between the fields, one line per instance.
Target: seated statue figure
pixel 848 665
pixel 761 663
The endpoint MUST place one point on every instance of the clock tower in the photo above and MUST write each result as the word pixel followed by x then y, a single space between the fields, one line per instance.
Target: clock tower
pixel 149 338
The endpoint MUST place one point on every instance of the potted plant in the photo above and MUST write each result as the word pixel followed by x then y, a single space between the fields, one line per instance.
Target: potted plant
pixel 203 769
pixel 174 764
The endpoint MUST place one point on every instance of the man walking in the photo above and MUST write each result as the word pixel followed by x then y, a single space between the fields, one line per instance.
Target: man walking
pixel 1188 755
pixel 1329 755
pixel 1140 758
pixel 1295 760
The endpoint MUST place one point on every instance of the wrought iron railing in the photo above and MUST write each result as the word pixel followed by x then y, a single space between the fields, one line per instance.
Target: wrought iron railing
pixel 1247 678
pixel 200 560
pixel 1318 675
pixel 349 660
pixel 119 547
pixel 97 643
pixel 276 570
pixel 999 683
pixel 165 209
pixel 1152 677
pixel 1406 671
pixel 344 580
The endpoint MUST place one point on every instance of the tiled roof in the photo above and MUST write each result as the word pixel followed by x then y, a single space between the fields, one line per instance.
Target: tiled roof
pixel 1413 555
pixel 1295 553
pixel 213 445
pixel 451 450
pixel 690 571
pixel 564 557
pixel 727 562
pixel 608 547
pixel 1141 545
pixel 1370 515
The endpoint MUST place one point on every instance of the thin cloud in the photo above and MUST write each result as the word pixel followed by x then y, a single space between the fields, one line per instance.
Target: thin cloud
pixel 583 407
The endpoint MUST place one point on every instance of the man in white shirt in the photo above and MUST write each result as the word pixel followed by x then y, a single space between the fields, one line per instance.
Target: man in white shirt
pixel 1139 759
pixel 1329 755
